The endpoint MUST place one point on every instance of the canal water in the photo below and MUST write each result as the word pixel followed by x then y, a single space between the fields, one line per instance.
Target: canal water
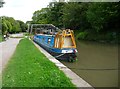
pixel 97 63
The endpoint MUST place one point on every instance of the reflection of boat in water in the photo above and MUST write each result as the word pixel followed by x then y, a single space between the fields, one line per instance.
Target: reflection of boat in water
pixel 60 44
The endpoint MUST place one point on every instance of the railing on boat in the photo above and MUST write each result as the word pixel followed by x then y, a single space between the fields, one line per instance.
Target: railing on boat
pixel 65 39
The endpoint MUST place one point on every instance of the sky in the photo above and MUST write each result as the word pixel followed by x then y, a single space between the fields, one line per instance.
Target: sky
pixel 22 9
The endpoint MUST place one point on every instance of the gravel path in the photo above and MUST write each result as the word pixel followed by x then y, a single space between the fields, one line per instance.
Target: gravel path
pixel 7 49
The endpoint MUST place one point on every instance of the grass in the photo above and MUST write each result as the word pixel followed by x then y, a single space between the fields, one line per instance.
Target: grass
pixel 26 34
pixel 28 67
pixel 0 37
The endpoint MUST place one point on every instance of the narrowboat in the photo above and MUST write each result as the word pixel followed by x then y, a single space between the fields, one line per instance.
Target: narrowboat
pixel 61 44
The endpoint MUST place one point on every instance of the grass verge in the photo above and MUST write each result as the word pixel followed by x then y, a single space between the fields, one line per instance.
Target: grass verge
pixel 0 38
pixel 28 67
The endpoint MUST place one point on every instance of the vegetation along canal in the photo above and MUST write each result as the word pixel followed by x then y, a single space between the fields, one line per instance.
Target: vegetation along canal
pixel 97 63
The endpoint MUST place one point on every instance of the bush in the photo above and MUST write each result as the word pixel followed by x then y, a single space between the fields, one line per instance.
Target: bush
pixel 111 36
pixel 82 35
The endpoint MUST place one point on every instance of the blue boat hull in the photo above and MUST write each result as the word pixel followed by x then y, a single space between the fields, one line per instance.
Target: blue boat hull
pixel 57 53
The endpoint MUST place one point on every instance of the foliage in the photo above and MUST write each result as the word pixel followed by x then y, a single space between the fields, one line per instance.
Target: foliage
pixel 56 14
pixel 96 18
pixel 4 26
pixel 82 35
pixel 51 15
pixel 103 16
pixel 74 16
pixel 11 25
pixel 28 67
pixel 0 37
pixel 23 26
pixel 41 15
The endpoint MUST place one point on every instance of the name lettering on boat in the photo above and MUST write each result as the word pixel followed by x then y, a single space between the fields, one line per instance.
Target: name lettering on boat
pixel 67 51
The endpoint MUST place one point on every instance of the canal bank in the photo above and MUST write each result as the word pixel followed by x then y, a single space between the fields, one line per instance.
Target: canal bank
pixel 75 79
pixel 28 67
pixel 97 63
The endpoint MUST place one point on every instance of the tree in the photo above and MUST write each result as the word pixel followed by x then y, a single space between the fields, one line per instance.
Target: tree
pixel 51 15
pixel 74 15
pixel 4 26
pixel 40 16
pixel 23 26
pixel 55 14
pixel 10 25
pixel 103 16
pixel 92 21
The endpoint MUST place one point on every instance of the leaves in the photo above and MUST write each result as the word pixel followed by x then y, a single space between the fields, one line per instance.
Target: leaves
pixel 11 25
pixel 95 18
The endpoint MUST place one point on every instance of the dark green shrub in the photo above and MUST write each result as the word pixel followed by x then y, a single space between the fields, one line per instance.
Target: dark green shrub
pixel 82 35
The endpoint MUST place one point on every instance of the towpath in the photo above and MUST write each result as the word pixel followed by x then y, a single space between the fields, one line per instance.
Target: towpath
pixel 7 49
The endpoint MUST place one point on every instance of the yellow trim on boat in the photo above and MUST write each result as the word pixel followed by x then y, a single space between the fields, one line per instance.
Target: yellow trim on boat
pixel 66 35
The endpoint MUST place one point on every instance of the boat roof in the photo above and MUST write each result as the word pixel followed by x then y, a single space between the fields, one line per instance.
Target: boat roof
pixel 45 34
pixel 45 26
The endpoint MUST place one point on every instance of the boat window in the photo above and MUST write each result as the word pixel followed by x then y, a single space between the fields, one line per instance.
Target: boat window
pixel 49 40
